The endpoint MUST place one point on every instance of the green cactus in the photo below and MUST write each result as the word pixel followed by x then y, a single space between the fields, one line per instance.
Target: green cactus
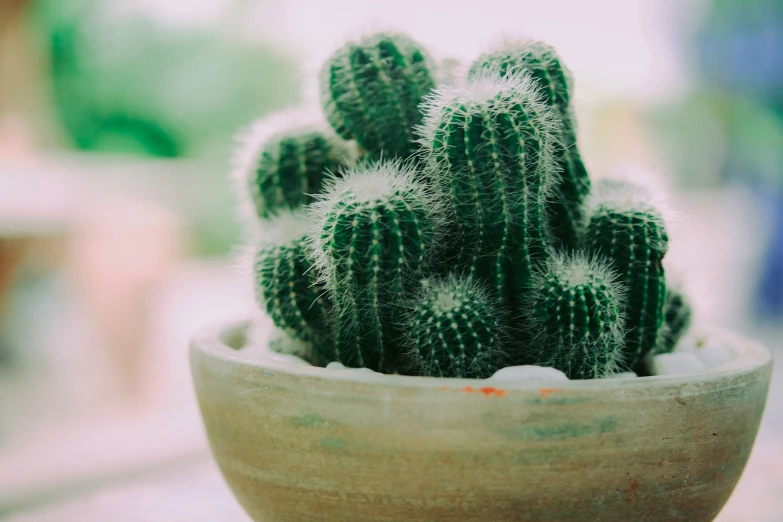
pixel 489 146
pixel 371 91
pixel 284 160
pixel 677 318
pixel 475 254
pixel 286 286
pixel 628 228
pixel 577 319
pixel 542 63
pixel 455 330
pixel 374 231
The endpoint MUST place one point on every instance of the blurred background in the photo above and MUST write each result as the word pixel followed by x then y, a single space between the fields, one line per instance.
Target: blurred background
pixel 117 231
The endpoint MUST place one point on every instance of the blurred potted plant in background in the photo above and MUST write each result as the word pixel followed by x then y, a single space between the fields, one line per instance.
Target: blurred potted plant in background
pixel 729 129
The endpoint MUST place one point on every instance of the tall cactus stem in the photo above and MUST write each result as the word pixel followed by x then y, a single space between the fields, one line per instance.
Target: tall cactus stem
pixel 542 63
pixel 374 232
pixel 627 228
pixel 490 147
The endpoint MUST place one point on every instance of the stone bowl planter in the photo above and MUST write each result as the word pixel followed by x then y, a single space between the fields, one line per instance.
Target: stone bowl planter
pixel 301 443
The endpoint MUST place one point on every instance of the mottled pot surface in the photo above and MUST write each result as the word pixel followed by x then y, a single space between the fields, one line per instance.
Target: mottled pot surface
pixel 300 443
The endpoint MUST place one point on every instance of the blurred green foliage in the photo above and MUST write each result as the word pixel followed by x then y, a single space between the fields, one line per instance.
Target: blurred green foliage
pixel 124 80
pixel 127 80
pixel 730 125
pixel 711 137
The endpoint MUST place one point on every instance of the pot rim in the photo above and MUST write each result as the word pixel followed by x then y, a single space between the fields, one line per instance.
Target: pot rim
pixel 225 342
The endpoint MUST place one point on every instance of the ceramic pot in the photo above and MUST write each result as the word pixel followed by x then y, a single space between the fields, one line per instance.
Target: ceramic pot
pixel 301 443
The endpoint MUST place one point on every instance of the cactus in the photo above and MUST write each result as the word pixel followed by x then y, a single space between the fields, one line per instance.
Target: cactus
pixel 627 227
pixel 371 91
pixel 374 230
pixel 284 160
pixel 542 63
pixel 286 286
pixel 576 316
pixel 677 317
pixel 489 146
pixel 455 330
pixel 478 252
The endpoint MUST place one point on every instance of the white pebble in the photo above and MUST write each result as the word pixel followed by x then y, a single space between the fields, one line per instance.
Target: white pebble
pixel 263 353
pixel 714 354
pixel 287 358
pixel 688 344
pixel 529 373
pixel 622 375
pixel 676 364
pixel 334 365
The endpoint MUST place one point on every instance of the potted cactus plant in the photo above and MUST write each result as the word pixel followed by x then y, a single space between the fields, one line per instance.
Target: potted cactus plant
pixel 455 299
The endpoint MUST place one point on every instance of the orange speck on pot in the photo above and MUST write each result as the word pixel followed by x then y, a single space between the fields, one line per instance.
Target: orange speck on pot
pixel 444 388
pixel 543 392
pixel 489 390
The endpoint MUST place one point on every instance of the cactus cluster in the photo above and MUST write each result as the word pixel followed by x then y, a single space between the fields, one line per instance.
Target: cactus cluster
pixel 451 229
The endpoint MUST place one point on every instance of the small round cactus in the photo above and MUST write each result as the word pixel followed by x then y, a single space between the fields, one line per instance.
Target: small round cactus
pixel 284 159
pixel 677 318
pixel 371 91
pixel 627 227
pixel 489 146
pixel 286 286
pixel 577 319
pixel 374 230
pixel 541 62
pixel 455 330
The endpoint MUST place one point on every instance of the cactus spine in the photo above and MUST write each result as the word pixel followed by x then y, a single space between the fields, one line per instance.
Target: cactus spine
pixel 454 330
pixel 542 63
pixel 490 149
pixel 371 91
pixel 374 230
pixel 286 287
pixel 577 318
pixel 626 227
pixel 282 164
